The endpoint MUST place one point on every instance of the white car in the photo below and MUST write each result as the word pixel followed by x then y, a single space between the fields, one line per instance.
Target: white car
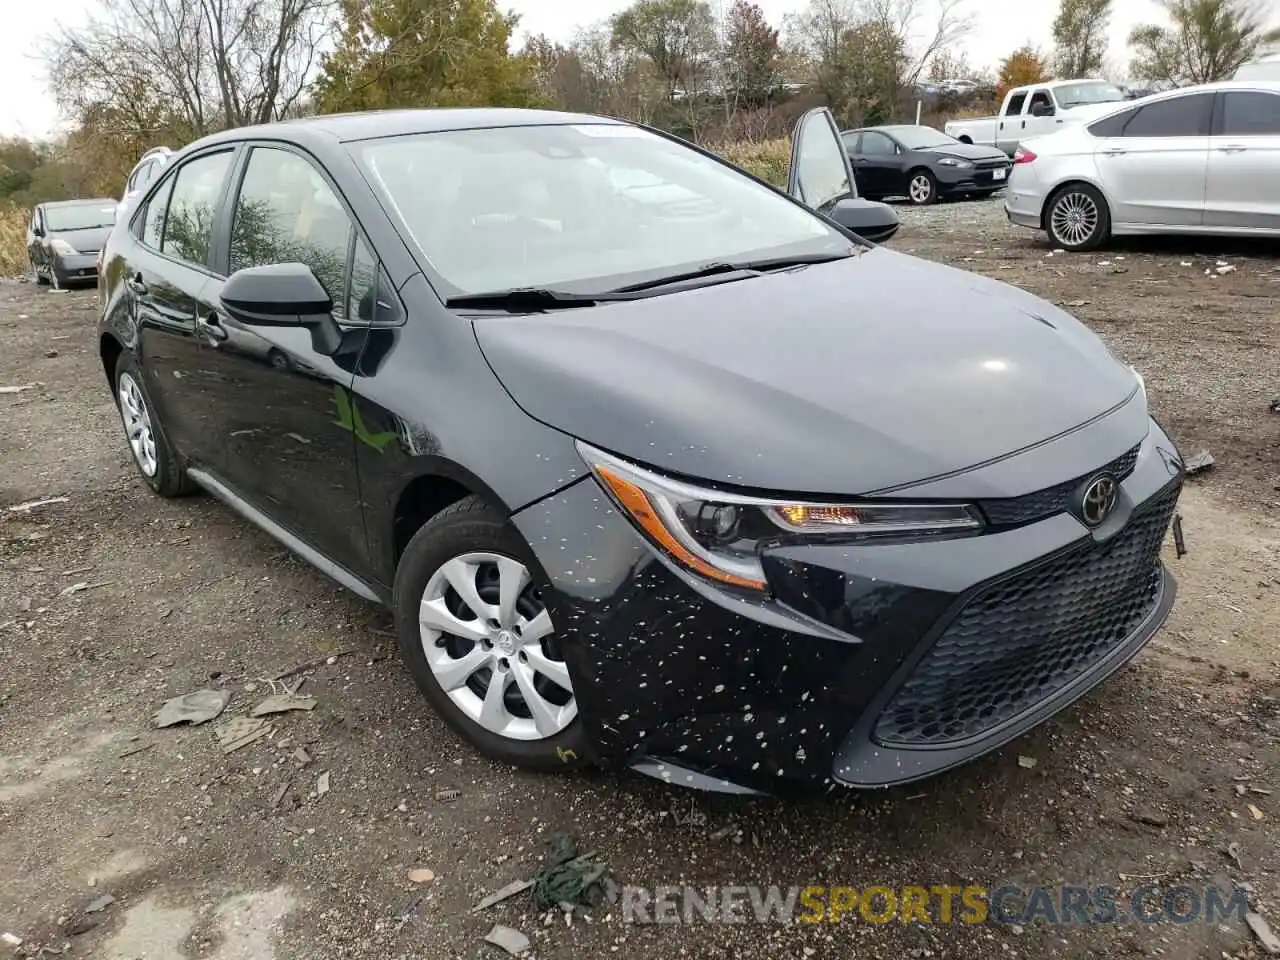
pixel 144 171
pixel 1200 160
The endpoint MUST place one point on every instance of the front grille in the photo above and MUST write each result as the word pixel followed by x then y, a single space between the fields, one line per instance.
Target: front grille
pixel 1026 638
pixel 1052 500
pixel 993 164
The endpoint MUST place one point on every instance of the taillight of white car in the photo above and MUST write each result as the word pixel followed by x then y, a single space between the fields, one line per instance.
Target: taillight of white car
pixel 1023 155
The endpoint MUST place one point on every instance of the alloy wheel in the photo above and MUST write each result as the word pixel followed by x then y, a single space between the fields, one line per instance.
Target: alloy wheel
pixel 137 424
pixel 920 189
pixel 490 644
pixel 1074 218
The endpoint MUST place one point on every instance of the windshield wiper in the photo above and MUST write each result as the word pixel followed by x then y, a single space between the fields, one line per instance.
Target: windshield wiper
pixel 531 299
pixel 752 268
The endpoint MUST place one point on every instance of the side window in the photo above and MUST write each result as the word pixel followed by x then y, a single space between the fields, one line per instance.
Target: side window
pixel 1015 104
pixel 287 213
pixel 1112 126
pixel 1250 114
pixel 1042 99
pixel 188 226
pixel 851 142
pixel 1177 117
pixel 877 145
pixel 153 219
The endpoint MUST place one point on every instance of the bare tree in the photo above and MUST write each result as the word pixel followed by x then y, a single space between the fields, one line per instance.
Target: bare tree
pixel 202 64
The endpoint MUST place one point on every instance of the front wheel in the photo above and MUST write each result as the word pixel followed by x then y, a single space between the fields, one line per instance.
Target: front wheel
pixel 922 188
pixel 1077 218
pixel 481 642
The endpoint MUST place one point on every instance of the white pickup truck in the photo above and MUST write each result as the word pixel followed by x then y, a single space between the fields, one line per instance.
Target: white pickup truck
pixel 1036 110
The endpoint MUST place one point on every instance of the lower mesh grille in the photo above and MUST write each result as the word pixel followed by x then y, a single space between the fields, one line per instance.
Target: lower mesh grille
pixel 1024 639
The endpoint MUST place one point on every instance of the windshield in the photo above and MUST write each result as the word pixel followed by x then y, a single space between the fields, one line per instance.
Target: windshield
pixel 1076 94
pixel 80 216
pixel 922 138
pixel 584 208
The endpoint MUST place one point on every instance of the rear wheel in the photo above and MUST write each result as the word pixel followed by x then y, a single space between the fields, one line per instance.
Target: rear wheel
pixel 155 459
pixel 922 188
pixel 479 638
pixel 1077 218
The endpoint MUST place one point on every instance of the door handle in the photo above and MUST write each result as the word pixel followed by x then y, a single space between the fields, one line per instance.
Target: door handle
pixel 135 284
pixel 1233 148
pixel 211 328
pixel 1114 152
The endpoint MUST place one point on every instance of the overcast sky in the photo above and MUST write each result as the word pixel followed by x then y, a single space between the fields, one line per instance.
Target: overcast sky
pixel 1000 26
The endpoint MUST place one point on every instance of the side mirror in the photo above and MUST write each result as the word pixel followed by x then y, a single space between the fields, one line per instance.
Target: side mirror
pixel 37 230
pixel 1042 110
pixel 872 221
pixel 283 295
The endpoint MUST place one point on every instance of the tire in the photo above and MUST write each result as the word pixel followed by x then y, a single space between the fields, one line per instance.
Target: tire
pixel 154 458
pixel 472 543
pixel 1077 218
pixel 922 187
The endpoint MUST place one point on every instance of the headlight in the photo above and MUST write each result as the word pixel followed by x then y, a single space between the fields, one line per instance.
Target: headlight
pixel 719 535
pixel 62 248
pixel 954 162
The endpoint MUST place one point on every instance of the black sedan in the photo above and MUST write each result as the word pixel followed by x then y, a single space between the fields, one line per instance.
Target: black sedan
pixel 923 165
pixel 694 482
pixel 64 238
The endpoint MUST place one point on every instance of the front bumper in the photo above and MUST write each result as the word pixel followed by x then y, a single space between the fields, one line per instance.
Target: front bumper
pixel 870 664
pixel 971 179
pixel 77 268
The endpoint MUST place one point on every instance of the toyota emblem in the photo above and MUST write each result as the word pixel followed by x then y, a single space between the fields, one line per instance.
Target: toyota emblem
pixel 1099 500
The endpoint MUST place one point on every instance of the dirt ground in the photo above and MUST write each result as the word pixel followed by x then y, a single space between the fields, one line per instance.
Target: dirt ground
pixel 1162 776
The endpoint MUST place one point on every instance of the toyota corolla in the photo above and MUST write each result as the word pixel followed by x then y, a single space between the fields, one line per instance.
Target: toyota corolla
pixel 698 482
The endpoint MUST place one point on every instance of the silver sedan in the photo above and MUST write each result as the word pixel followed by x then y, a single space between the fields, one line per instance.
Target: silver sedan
pixel 1200 160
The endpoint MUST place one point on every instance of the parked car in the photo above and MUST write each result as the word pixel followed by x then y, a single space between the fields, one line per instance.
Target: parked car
pixel 1266 67
pixel 736 502
pixel 1036 110
pixel 921 164
pixel 1196 160
pixel 144 171
pixel 64 238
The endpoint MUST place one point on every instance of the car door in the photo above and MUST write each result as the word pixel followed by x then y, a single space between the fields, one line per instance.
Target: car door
pixel 290 451
pixel 1009 127
pixel 821 177
pixel 35 235
pixel 167 275
pixel 1041 115
pixel 1244 154
pixel 881 159
pixel 1154 171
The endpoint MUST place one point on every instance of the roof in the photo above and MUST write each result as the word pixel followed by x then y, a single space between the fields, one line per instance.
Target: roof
pixel 368 124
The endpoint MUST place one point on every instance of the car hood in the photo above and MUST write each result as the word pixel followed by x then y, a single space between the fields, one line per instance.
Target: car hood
pixel 965 151
pixel 84 241
pixel 847 378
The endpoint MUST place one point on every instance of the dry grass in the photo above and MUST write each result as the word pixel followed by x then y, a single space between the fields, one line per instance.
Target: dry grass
pixel 13 239
pixel 768 160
